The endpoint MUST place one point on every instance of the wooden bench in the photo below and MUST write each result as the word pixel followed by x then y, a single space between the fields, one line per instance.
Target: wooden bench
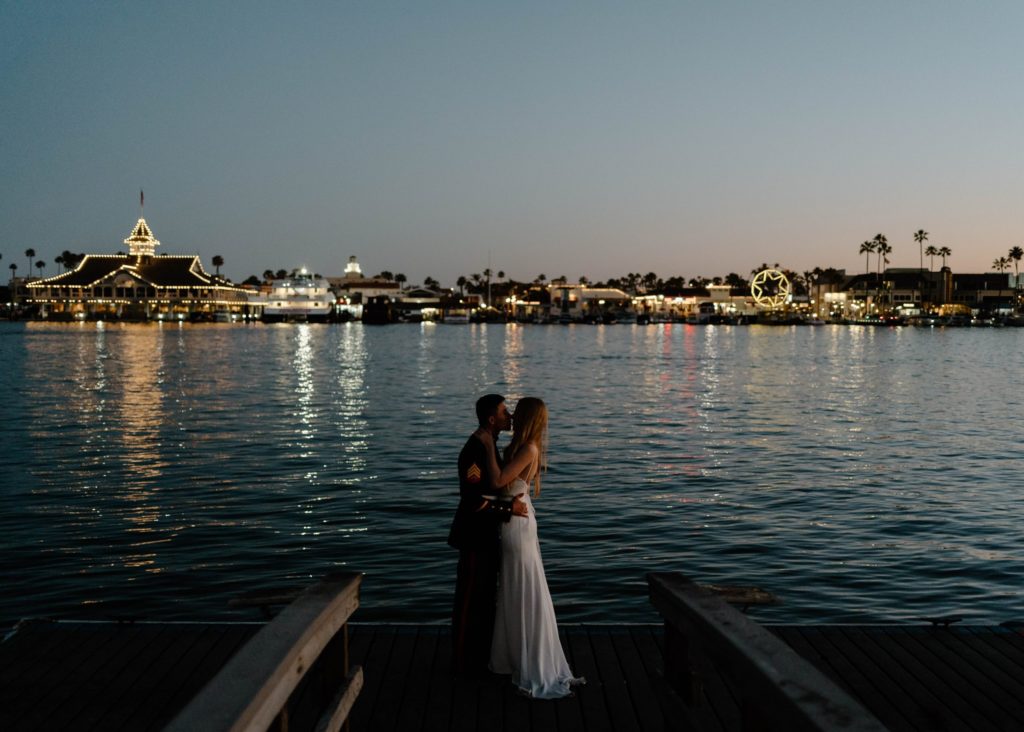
pixel 297 665
pixel 777 689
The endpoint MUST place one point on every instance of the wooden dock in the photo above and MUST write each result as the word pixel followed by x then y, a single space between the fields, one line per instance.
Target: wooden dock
pixel 143 676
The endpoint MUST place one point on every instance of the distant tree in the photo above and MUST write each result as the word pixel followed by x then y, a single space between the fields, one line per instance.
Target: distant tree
pixel 268 275
pixel 30 254
pixel 734 280
pixel 218 262
pixel 541 278
pixel 867 248
pixel 501 274
pixel 431 284
pixel 560 280
pixel 59 261
pixel 39 265
pixel 583 280
pixel 461 283
pixel 386 275
pixel 252 280
pixel 1000 264
pixel 945 252
pixel 921 236
pixel 14 270
pixel 932 253
pixel 882 248
pixel 281 274
pixel 1016 253
pixel 401 279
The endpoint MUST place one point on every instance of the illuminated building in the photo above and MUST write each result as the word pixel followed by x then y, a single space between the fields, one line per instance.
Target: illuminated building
pixel 140 285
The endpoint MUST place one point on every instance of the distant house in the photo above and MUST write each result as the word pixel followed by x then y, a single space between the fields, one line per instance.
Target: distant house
pixel 419 303
pixel 137 286
pixel 355 289
pixel 579 301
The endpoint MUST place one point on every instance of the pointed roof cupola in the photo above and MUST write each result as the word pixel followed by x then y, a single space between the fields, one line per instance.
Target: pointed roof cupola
pixel 141 242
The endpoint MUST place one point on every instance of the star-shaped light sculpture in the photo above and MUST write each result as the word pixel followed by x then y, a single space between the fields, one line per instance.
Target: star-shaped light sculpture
pixel 770 288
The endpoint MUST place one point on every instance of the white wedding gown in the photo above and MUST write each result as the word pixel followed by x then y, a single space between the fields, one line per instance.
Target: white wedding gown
pixel 525 642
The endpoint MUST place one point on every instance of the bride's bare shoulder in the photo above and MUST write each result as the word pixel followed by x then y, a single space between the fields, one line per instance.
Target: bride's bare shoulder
pixel 531 449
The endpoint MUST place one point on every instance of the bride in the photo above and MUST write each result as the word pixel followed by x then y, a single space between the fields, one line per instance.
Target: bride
pixel 525 642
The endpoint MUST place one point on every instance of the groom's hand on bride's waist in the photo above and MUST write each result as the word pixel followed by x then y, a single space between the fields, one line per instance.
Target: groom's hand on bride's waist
pixel 518 507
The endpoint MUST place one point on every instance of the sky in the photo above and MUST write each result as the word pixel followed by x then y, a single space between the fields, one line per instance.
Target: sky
pixel 563 138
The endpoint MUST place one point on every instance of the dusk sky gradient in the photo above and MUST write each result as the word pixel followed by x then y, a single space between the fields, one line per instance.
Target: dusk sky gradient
pixel 560 138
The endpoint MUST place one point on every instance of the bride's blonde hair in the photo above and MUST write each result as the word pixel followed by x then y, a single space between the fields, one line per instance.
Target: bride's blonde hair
pixel 530 425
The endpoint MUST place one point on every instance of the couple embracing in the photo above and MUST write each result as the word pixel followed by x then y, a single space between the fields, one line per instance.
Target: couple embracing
pixel 503 619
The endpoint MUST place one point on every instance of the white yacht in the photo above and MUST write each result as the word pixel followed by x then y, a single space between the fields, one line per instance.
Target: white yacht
pixel 301 297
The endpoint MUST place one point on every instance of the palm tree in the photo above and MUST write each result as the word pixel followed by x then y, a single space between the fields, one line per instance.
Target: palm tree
pixel 945 252
pixel 541 278
pixel 921 236
pixel 59 261
pixel 218 262
pixel 401 279
pixel 14 270
pixel 39 265
pixel 1015 254
pixel 268 274
pixel 931 252
pixel 461 283
pixel 866 248
pixel 1000 265
pixel 881 248
pixel 30 253
pixel 431 284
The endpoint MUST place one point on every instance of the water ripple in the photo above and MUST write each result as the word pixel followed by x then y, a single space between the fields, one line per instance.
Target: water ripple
pixel 860 474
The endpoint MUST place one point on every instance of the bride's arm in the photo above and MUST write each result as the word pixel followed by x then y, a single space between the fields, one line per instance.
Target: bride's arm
pixel 519 462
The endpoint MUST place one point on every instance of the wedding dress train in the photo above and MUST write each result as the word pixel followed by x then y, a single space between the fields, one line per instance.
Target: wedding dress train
pixel 525 642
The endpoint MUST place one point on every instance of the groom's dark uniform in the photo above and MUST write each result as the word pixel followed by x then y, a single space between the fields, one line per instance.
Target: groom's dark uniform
pixel 475 533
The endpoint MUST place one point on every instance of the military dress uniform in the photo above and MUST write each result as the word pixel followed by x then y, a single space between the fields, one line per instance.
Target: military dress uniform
pixel 476 534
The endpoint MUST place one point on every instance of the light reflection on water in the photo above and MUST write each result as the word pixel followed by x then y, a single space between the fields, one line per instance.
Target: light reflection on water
pixel 860 474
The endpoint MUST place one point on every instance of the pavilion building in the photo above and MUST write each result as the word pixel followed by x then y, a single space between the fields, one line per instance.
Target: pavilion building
pixel 140 285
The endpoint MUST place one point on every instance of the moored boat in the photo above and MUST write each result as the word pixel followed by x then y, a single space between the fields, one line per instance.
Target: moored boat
pixel 299 298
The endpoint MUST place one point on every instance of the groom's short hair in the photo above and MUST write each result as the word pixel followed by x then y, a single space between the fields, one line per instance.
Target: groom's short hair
pixel 487 407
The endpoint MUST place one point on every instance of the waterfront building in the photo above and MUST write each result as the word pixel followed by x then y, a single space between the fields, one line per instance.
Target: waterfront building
pixel 579 302
pixel 140 285
pixel 354 289
pixel 420 304
pixel 909 292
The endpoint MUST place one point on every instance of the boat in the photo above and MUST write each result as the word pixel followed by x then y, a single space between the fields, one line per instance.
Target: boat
pixel 299 298
pixel 456 315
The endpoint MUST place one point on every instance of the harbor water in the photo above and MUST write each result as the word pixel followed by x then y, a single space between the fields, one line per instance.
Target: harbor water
pixel 860 474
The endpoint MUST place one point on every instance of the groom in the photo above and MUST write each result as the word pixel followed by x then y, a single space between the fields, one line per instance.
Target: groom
pixel 476 534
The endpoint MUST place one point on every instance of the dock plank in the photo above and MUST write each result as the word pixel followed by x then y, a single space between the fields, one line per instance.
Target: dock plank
pixel 959 678
pixel 595 711
pixel 854 671
pixel 203 660
pixel 943 708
